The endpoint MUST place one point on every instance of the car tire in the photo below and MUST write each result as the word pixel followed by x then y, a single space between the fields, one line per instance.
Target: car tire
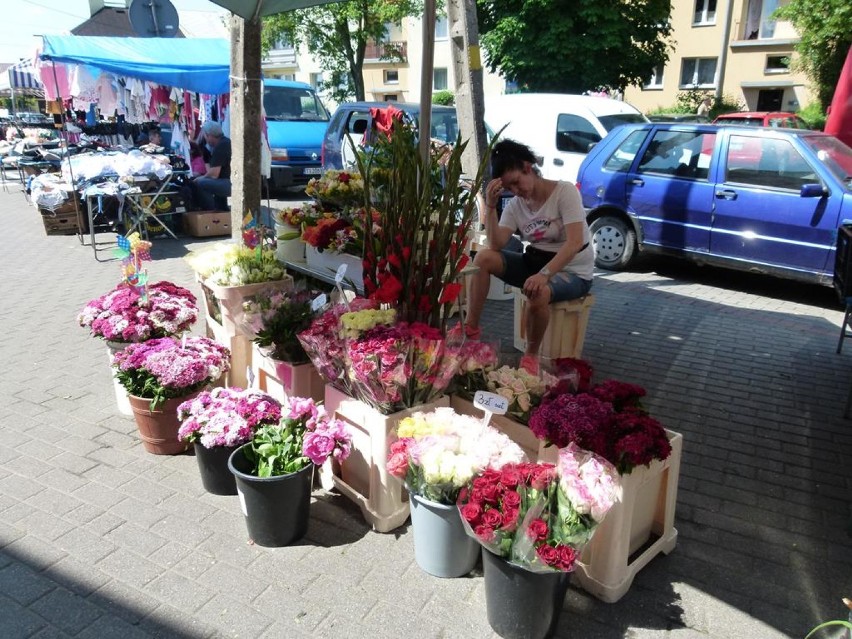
pixel 614 241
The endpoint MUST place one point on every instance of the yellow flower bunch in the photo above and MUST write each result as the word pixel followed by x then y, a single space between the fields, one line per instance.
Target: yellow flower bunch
pixel 354 323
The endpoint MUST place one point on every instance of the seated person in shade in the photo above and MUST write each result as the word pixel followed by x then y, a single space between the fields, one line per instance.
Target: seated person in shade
pixel 211 190
pixel 196 160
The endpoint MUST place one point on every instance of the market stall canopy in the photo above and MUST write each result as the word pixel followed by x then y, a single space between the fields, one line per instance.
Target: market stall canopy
pixel 248 9
pixel 20 77
pixel 193 64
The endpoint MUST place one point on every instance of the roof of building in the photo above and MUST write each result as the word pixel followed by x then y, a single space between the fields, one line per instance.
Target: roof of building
pixel 110 21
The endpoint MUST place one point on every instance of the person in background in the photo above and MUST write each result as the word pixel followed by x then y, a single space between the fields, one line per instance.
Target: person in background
pixel 196 160
pixel 155 137
pixel 211 190
pixel 704 107
pixel 558 263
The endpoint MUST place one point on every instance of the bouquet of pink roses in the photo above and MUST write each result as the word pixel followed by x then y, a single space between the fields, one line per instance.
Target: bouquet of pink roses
pixel 123 315
pixel 539 516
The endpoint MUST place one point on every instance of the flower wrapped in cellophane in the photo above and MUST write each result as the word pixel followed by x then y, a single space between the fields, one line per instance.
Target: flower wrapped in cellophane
pixel 274 318
pixel 397 366
pixel 539 516
pixel 476 360
pixel 437 453
pixel 325 346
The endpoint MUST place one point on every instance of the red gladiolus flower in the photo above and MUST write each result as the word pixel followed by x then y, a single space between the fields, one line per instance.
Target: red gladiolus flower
pixel 406 253
pixel 450 293
pixel 344 178
pixel 393 260
pixel 463 261
pixel 388 291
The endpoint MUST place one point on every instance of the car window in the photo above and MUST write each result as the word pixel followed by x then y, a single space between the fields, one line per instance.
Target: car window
pixel 445 126
pixel 292 104
pixel 622 158
pixel 683 154
pixel 834 155
pixel 575 134
pixel 358 123
pixel 609 122
pixel 767 162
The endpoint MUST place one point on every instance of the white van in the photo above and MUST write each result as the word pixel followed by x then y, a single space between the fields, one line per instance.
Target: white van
pixel 560 128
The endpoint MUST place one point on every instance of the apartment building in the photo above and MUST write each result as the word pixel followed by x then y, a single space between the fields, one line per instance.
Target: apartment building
pixel 732 48
pixel 384 81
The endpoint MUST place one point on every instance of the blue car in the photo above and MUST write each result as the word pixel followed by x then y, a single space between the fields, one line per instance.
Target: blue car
pixel 756 199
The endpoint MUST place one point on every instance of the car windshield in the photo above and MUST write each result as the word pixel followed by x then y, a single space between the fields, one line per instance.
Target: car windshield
pixel 611 121
pixel 745 121
pixel 835 156
pixel 292 104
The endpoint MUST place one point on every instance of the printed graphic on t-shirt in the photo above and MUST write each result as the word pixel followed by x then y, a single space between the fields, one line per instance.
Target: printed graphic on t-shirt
pixel 542 229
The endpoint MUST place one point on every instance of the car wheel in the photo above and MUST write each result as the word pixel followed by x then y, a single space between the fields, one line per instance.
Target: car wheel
pixel 614 241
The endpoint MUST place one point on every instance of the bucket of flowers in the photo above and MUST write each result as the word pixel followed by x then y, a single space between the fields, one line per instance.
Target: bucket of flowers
pixel 274 469
pixel 289 246
pixel 161 374
pixel 218 421
pixel 335 189
pixel 533 521
pixel 608 419
pixel 438 453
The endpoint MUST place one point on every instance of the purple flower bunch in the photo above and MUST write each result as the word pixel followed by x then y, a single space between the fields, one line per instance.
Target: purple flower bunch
pixel 324 436
pixel 566 418
pixel 123 315
pixel 168 367
pixel 226 416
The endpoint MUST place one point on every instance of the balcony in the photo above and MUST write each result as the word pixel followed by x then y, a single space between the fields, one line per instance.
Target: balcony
pixel 386 51
pixel 280 58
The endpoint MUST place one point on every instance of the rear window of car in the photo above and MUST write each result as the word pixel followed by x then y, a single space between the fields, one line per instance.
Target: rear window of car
pixel 609 122
pixel 745 121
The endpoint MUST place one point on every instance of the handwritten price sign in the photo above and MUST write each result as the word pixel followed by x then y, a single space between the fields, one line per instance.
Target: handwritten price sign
pixel 491 403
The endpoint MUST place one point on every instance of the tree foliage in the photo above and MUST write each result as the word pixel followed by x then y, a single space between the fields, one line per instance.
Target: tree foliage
pixel 337 35
pixel 575 45
pixel 825 27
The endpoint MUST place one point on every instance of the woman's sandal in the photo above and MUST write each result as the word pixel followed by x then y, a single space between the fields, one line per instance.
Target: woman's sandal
pixel 530 364
pixel 470 332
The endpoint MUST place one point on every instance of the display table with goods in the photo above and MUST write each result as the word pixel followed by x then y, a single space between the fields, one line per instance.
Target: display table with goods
pixel 385 356
pixel 229 274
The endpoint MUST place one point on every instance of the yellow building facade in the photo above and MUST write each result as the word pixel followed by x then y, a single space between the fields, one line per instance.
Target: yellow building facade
pixel 729 48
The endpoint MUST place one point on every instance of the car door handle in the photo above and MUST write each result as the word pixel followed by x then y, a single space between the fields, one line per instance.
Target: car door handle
pixel 726 194
pixel 637 182
pixel 558 162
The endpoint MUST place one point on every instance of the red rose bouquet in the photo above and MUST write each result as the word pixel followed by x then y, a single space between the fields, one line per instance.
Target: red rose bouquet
pixel 539 516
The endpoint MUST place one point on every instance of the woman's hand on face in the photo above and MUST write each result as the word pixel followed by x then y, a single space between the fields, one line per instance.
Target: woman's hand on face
pixel 492 193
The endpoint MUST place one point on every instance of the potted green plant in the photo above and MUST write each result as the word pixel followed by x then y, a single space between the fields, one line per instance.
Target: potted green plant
pixel 274 470
pixel 160 374
pixel 218 421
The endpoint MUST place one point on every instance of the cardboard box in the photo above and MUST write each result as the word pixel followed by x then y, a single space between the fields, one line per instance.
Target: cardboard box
pixel 207 223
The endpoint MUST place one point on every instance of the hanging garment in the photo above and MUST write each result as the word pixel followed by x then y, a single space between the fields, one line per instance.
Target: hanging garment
pixel 54 77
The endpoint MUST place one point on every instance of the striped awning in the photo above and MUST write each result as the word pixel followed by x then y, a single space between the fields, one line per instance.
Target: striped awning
pixel 20 76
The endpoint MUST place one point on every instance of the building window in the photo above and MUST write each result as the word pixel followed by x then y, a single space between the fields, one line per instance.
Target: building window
pixel 439 79
pixel 391 76
pixel 391 97
pixel 656 79
pixel 287 76
pixel 282 43
pixel 705 12
pixel 316 81
pixel 777 64
pixel 441 28
pixel 698 73
pixel 759 24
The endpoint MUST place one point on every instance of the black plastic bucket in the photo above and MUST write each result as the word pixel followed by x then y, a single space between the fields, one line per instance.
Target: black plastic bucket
pixel 216 477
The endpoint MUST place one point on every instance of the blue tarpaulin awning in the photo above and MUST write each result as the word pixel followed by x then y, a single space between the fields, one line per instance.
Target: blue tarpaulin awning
pixel 194 64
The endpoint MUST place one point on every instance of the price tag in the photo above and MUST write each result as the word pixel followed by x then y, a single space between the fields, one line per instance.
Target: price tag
pixel 491 403
pixel 249 377
pixel 341 273
pixel 319 301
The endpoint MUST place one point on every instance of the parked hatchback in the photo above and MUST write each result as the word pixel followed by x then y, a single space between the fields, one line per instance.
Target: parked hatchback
pixel 353 120
pixel 756 199
pixel 775 119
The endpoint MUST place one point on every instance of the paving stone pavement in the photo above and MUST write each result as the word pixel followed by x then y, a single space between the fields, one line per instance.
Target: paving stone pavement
pixel 99 539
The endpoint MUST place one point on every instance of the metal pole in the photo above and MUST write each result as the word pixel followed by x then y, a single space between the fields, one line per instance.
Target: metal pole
pixel 426 72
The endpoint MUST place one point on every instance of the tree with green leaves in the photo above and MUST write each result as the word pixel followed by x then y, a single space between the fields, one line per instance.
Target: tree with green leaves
pixel 825 29
pixel 337 36
pixel 571 46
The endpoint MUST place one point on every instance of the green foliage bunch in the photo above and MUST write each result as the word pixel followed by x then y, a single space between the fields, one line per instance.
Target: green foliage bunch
pixel 814 116
pixel 571 46
pixel 445 97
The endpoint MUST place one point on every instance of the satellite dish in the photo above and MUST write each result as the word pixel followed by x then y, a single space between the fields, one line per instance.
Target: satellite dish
pixel 153 18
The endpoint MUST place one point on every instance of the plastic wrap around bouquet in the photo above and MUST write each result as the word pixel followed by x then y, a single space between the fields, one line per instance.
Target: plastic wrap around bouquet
pixel 388 364
pixel 540 516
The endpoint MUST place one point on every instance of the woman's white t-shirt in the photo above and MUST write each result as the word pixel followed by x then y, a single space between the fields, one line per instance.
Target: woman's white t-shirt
pixel 545 228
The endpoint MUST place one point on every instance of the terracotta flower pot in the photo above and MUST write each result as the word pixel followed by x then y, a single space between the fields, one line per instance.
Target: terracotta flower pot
pixel 159 428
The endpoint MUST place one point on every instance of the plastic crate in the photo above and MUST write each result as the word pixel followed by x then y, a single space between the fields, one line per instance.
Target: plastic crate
pixel 566 331
pixel 363 476
pixel 635 530
pixel 240 347
pixel 283 379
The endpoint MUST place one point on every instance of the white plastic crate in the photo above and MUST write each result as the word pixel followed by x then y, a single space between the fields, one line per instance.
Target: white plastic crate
pixel 363 476
pixel 635 530
pixel 283 379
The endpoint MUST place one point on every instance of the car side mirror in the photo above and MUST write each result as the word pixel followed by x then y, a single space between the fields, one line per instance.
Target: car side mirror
pixel 813 190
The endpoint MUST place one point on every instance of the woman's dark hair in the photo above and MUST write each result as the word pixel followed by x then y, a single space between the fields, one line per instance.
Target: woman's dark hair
pixel 508 155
